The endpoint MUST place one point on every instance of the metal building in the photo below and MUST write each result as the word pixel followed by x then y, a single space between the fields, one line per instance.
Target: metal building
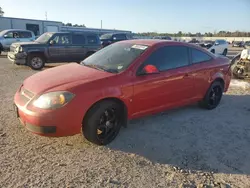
pixel 41 26
pixel 37 26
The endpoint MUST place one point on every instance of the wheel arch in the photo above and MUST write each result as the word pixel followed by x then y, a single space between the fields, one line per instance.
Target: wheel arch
pixel 41 53
pixel 114 99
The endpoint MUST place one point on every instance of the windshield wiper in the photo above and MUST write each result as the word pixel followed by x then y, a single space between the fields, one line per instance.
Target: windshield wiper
pixel 98 67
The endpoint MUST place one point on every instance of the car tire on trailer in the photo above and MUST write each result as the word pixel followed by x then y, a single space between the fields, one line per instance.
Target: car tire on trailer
pixel 213 96
pixel 102 122
pixel 36 61
pixel 224 52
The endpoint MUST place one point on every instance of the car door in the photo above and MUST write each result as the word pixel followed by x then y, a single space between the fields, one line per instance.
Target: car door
pixel 59 48
pixel 25 36
pixel 200 71
pixel 77 49
pixel 9 38
pixel 172 86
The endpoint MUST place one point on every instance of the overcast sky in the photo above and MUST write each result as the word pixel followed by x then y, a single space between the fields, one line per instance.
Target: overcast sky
pixel 139 15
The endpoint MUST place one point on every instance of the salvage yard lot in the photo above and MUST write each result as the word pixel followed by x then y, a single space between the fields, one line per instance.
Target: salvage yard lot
pixel 188 146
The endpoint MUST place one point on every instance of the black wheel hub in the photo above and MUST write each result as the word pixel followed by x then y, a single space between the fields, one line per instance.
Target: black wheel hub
pixel 108 125
pixel 215 96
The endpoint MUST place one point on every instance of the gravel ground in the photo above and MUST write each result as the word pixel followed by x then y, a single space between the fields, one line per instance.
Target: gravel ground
pixel 186 147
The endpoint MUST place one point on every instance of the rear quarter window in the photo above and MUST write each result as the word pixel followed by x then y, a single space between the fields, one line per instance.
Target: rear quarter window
pixel 92 39
pixel 199 56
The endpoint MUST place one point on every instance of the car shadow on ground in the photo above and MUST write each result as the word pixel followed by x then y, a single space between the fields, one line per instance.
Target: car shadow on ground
pixel 194 139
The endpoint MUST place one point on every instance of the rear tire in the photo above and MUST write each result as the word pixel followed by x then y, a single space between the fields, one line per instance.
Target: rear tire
pixel 213 96
pixel 102 122
pixel 36 61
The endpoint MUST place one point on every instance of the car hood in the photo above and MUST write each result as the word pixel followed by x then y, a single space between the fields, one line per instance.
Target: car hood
pixel 24 44
pixel 62 75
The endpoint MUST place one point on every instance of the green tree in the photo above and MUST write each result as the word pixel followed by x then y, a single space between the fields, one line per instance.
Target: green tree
pixel 1 12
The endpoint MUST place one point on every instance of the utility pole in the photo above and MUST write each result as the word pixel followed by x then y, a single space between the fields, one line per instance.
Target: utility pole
pixel 46 16
pixel 101 24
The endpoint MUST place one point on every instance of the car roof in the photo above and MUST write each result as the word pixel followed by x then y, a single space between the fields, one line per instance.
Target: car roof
pixel 17 30
pixel 74 32
pixel 152 42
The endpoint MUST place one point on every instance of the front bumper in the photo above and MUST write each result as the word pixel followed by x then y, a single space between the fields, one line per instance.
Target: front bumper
pixel 52 123
pixel 17 58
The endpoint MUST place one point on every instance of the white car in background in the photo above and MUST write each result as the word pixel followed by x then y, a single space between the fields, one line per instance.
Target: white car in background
pixel 216 47
pixel 7 37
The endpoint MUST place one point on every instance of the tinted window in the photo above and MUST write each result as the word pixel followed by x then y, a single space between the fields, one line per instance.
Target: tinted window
pixel 92 39
pixel 169 57
pixel 78 39
pixel 199 56
pixel 120 36
pixel 12 35
pixel 25 34
pixel 62 39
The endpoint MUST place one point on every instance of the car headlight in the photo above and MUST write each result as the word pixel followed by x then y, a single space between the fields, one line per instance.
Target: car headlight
pixel 53 100
pixel 18 49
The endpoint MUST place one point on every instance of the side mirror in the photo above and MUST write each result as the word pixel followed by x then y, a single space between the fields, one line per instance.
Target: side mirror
pixel 52 42
pixel 149 69
pixel 216 44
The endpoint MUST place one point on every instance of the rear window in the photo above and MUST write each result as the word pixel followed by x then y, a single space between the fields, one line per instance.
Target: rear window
pixel 78 39
pixel 91 39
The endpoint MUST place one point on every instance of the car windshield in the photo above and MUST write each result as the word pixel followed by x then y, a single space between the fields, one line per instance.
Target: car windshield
pixel 106 36
pixel 44 38
pixel 2 33
pixel 114 58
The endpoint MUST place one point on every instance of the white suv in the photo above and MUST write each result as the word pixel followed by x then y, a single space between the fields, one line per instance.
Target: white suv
pixel 7 37
pixel 216 47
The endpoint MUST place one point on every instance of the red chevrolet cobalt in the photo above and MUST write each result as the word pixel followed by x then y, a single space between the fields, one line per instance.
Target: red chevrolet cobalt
pixel 125 80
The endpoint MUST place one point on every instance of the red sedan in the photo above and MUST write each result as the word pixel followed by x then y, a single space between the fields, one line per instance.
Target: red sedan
pixel 125 80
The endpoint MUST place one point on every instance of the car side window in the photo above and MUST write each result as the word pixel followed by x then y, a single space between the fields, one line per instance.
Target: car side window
pixel 199 56
pixel 78 39
pixel 12 34
pixel 62 39
pixel 25 34
pixel 91 39
pixel 169 57
pixel 119 36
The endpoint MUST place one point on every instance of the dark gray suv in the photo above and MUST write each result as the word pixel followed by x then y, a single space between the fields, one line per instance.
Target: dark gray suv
pixel 52 47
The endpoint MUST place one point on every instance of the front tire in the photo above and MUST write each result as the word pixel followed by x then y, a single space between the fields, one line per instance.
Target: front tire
pixel 36 61
pixel 213 51
pixel 213 96
pixel 102 122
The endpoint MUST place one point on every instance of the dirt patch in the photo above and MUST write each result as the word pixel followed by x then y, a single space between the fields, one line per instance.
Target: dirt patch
pixel 186 147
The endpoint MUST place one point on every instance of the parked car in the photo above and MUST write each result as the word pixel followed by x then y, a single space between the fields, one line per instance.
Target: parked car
pixel 240 64
pixel 238 44
pixel 216 47
pixel 194 41
pixel 125 80
pixel 111 38
pixel 162 37
pixel 52 47
pixel 7 37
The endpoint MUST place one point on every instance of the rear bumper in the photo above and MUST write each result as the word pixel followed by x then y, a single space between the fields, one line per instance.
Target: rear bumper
pixel 19 58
